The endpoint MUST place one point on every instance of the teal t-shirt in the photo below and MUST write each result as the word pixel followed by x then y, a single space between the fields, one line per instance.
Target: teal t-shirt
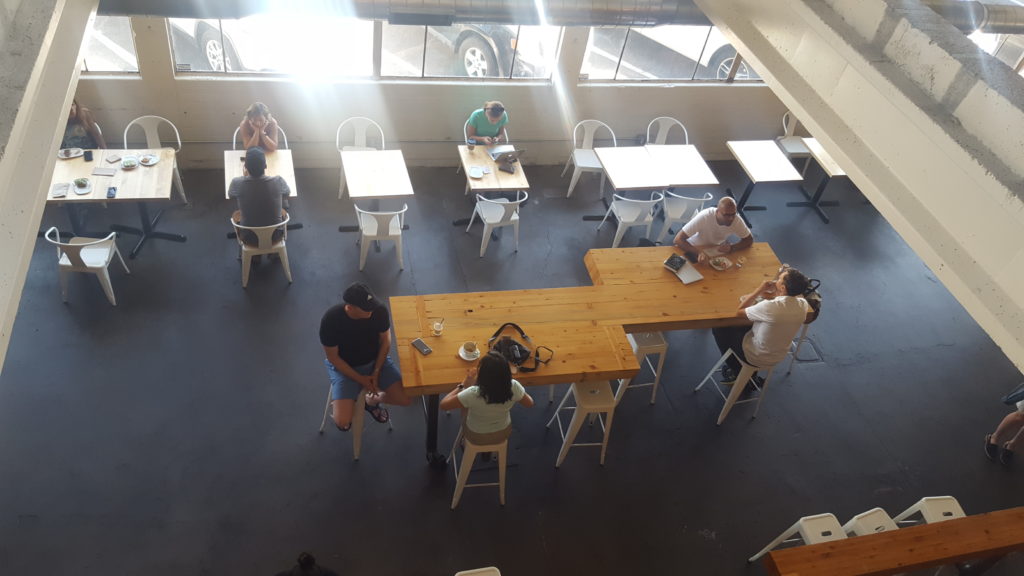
pixel 478 120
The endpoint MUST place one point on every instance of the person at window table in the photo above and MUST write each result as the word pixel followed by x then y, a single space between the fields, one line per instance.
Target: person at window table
pixel 261 198
pixel 486 396
pixel 81 130
pixel 712 227
pixel 487 125
pixel 259 128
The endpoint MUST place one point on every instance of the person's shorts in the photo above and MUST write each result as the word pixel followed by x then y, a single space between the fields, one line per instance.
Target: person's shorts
pixel 344 388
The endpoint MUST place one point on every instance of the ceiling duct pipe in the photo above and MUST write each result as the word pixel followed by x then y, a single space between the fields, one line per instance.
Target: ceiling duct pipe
pixel 969 16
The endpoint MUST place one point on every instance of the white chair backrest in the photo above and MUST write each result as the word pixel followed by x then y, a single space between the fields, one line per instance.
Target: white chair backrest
pixel 360 127
pixel 382 219
pixel 98 129
pixel 510 207
pixel 665 125
pixel 789 124
pixel 280 131
pixel 589 128
pixel 151 126
pixel 264 234
pixel 647 205
pixel 74 250
pixel 688 206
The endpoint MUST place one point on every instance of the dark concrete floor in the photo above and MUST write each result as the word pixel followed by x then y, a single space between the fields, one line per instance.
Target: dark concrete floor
pixel 177 433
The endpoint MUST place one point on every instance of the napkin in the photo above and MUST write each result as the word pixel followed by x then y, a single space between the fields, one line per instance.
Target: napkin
pixel 98 171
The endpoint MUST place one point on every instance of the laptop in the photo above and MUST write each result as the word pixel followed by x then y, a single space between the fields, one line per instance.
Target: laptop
pixel 499 150
pixel 685 271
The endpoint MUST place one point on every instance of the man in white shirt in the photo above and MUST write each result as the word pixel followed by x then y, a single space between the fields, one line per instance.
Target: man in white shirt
pixel 713 227
pixel 777 318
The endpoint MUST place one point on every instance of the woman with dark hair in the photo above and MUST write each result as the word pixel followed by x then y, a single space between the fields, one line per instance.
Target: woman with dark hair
pixel 487 125
pixel 259 128
pixel 486 396
pixel 81 130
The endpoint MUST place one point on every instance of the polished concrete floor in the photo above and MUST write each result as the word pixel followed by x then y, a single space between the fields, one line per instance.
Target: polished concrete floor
pixel 177 433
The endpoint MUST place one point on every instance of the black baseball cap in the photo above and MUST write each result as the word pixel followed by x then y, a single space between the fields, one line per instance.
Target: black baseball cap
pixel 360 296
pixel 256 161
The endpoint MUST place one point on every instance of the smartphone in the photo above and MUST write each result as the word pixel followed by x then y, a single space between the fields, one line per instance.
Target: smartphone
pixel 112 192
pixel 420 345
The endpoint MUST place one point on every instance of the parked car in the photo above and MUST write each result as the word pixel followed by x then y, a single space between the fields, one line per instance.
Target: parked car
pixel 715 54
pixel 489 50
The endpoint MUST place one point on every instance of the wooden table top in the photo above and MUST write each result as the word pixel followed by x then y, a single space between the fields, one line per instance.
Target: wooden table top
pixel 763 161
pixel 827 163
pixel 496 180
pixel 371 174
pixel 682 165
pixel 907 549
pixel 279 163
pixel 140 183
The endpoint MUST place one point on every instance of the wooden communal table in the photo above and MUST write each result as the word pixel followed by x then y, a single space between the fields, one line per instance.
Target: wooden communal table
pixel 763 161
pixel 279 163
pixel 928 545
pixel 831 168
pixel 140 185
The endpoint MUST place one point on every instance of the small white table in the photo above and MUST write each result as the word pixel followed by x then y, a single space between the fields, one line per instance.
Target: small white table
pixel 682 165
pixel 763 161
pixel 375 175
pixel 279 163
pixel 831 169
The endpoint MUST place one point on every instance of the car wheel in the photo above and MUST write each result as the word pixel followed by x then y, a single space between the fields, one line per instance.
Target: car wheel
pixel 477 58
pixel 214 52
pixel 721 63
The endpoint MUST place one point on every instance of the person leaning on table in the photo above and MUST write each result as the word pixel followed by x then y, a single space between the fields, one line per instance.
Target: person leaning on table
pixel 259 128
pixel 487 125
pixel 486 396
pixel 713 227
pixel 81 130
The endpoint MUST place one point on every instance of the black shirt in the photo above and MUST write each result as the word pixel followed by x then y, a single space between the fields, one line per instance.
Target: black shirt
pixel 358 341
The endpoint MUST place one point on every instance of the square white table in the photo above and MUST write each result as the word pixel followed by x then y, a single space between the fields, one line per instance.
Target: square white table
pixel 654 167
pixel 375 175
pixel 831 169
pixel 279 163
pixel 682 165
pixel 763 161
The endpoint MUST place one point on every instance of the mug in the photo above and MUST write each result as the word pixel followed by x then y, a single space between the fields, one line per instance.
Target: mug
pixel 87 155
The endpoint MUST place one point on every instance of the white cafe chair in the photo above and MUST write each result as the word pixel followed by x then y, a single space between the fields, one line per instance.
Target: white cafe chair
pixel 151 126
pixel 679 210
pixel 631 213
pixel 375 226
pixel 361 128
pixel 489 571
pixel 266 244
pixel 88 255
pixel 665 125
pixel 495 214
pixel 791 144
pixel 583 157
pixel 283 145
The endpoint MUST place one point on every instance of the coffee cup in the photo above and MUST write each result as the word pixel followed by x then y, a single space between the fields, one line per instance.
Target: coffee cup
pixel 470 349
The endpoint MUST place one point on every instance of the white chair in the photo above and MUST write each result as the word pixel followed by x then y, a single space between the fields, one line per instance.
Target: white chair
pixel 88 255
pixel 644 345
pixel 591 398
pixel 266 244
pixel 495 214
pixel 151 126
pixel 871 522
pixel 583 157
pixel 792 144
pixel 631 213
pixel 811 529
pixel 361 128
pixel 489 571
pixel 469 452
pixel 284 138
pixel 932 509
pixel 746 375
pixel 376 226
pixel 665 124
pixel 679 210
pixel 358 419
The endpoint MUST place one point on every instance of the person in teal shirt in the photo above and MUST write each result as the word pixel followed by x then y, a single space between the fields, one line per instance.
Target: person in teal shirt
pixel 487 125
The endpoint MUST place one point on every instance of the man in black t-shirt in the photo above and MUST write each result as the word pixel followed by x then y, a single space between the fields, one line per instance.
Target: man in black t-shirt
pixel 356 337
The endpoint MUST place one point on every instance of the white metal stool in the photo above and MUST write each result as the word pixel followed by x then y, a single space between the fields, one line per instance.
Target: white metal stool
pixel 812 530
pixel 469 452
pixel 871 522
pixel 644 345
pixel 932 509
pixel 358 418
pixel 489 571
pixel 592 398
pixel 746 375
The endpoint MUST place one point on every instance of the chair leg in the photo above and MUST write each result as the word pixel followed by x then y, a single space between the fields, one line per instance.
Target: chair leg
pixel 665 229
pixel 177 184
pixel 566 169
pixel 764 390
pixel 398 250
pixel 602 183
pixel 560 405
pixel 472 218
pixel 572 183
pixel 782 537
pixel 364 247
pixel 284 264
pixel 121 258
pixel 603 220
pixel 570 435
pixel 619 233
pixel 63 274
pixel 746 373
pixel 468 455
pixel 104 278
pixel 327 409
pixel 486 239
pixel 502 465
pixel 246 265
pixel 657 374
pixel 799 343
pixel 515 232
pixel 607 433
pixel 358 417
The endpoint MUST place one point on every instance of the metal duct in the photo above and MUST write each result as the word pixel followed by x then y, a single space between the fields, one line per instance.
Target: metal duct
pixel 969 16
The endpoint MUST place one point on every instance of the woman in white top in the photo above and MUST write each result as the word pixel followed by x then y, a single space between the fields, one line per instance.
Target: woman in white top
pixel 486 396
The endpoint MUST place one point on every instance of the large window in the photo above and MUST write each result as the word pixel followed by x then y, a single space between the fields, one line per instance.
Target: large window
pixel 661 53
pixel 274 43
pixel 469 50
pixel 111 47
pixel 1008 48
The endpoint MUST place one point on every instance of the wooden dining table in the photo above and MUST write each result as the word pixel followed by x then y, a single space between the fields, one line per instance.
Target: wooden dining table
pixel 493 180
pixel 279 163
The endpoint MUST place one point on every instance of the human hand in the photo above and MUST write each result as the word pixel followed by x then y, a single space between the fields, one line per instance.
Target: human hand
pixel 725 248
pixel 767 287
pixel 470 379
pixel 488 140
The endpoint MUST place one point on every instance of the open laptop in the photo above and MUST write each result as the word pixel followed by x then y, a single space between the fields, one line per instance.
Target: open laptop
pixel 499 150
pixel 508 158
pixel 684 270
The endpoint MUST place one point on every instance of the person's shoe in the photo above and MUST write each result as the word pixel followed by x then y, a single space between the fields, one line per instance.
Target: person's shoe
pixel 728 375
pixel 1005 455
pixel 991 449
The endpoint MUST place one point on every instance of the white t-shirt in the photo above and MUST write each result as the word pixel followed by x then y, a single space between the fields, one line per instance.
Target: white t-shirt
pixel 776 322
pixel 704 230
pixel 484 418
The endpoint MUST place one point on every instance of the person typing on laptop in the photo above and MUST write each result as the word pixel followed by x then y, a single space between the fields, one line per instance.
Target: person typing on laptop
pixel 487 125
pixel 712 227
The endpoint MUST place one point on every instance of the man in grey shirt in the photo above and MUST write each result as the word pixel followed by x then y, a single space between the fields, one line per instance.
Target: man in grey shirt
pixel 260 197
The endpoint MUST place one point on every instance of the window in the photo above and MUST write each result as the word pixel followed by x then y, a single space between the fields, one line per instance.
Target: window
pixel 111 47
pixel 1008 48
pixel 661 53
pixel 274 43
pixel 469 50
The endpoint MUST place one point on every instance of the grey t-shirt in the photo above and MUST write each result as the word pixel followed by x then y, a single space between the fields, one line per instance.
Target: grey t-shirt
pixel 259 199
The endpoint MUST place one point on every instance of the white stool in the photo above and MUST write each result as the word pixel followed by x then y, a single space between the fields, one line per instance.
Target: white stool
pixel 592 398
pixel 489 571
pixel 794 352
pixel 469 452
pixel 932 509
pixel 644 345
pixel 746 375
pixel 871 522
pixel 812 530
pixel 358 417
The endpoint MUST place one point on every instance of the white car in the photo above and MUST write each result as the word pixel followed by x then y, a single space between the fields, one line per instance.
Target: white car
pixel 715 54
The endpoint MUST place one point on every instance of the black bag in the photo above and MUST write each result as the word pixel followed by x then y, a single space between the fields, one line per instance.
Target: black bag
pixel 516 353
pixel 1016 395
pixel 813 297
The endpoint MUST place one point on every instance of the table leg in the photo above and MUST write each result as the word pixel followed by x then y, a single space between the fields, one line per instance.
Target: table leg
pixel 741 204
pixel 434 458
pixel 148 229
pixel 815 200
pixel 76 216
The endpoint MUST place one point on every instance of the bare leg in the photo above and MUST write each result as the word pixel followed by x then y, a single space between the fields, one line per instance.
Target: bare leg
pixel 343 412
pixel 394 395
pixel 1008 431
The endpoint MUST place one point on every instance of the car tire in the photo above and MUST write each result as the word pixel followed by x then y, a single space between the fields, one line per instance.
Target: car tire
pixel 721 63
pixel 214 52
pixel 476 59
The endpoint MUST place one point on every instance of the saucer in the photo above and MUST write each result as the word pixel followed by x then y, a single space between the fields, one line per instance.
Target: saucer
pixel 475 172
pixel 149 159
pixel 468 357
pixel 68 153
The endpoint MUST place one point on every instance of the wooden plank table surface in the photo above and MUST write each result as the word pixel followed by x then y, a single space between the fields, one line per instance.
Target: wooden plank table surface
pixel 279 163
pixel 496 181
pixel 140 183
pixel 927 545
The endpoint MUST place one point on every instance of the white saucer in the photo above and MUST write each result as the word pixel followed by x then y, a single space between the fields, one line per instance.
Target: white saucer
pixel 126 163
pixel 82 191
pixel 468 357
pixel 68 153
pixel 149 159
pixel 475 172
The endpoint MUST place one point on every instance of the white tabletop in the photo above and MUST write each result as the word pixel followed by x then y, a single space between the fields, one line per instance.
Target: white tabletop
pixel 827 163
pixel 631 168
pixel 682 164
pixel 763 161
pixel 376 174
pixel 279 163
pixel 141 183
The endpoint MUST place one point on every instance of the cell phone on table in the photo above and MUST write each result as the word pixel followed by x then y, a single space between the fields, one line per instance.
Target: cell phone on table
pixel 112 192
pixel 420 345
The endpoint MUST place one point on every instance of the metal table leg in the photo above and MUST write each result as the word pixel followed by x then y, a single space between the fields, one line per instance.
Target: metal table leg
pixel 814 201
pixel 434 458
pixel 741 204
pixel 148 229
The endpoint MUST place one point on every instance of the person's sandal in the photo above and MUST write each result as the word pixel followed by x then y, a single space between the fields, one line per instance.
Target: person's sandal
pixel 378 412
pixel 1005 455
pixel 991 449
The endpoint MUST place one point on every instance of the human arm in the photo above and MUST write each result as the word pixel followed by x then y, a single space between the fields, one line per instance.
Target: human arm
pixel 749 300
pixel 89 123
pixel 526 400
pixel 451 400
pixel 472 135
pixel 747 242
pixel 682 241
pixel 268 135
pixel 331 352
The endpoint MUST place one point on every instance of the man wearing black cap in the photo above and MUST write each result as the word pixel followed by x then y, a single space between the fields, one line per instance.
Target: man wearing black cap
pixel 260 197
pixel 356 337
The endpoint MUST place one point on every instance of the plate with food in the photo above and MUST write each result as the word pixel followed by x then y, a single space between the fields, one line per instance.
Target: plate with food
pixel 720 263
pixel 68 153
pixel 129 162
pixel 149 159
pixel 475 172
pixel 82 186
